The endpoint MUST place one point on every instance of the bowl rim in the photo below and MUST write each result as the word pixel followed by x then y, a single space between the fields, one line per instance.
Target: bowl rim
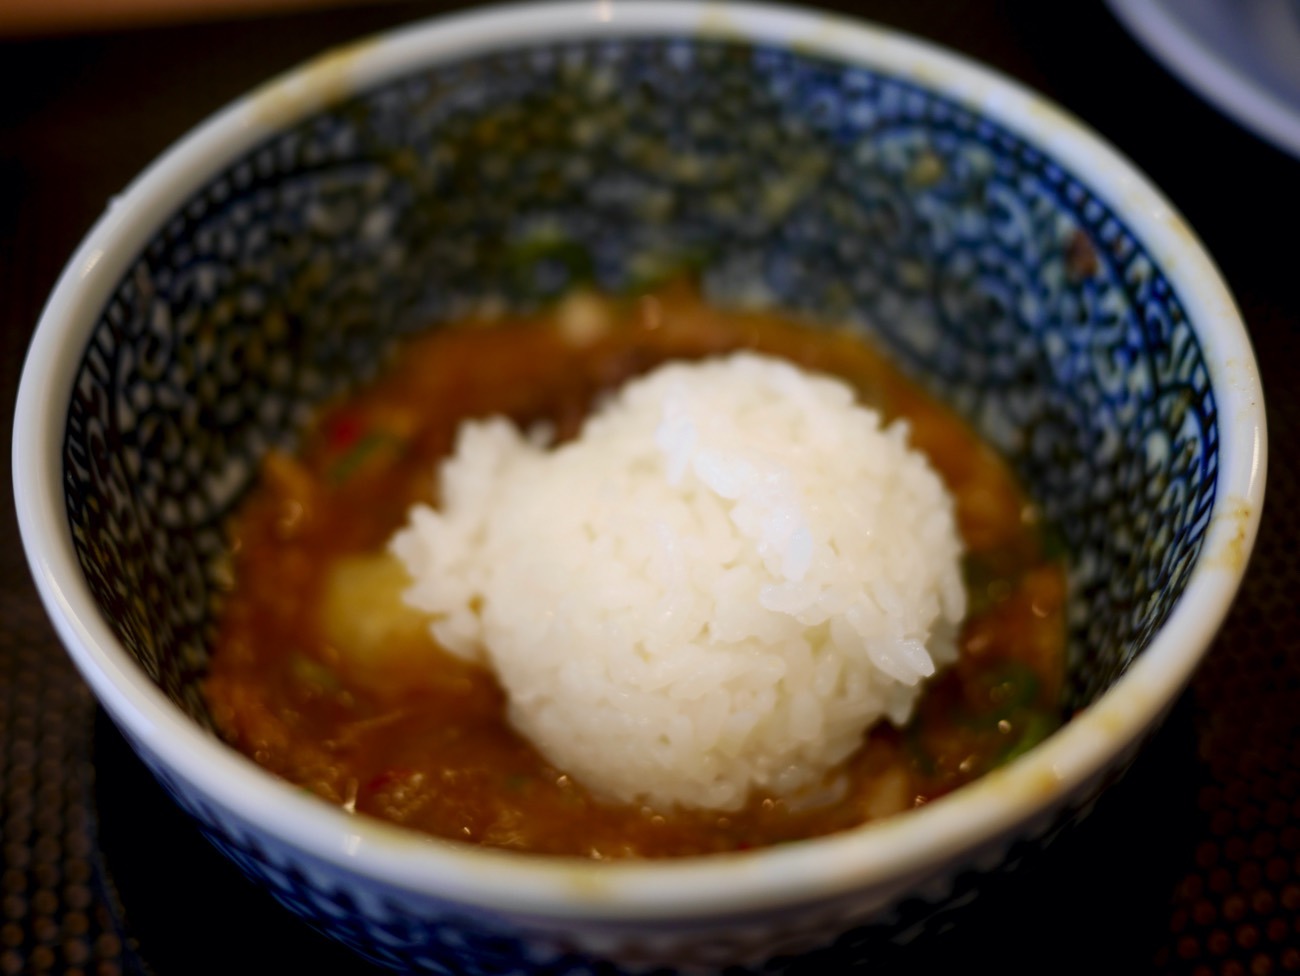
pixel 878 855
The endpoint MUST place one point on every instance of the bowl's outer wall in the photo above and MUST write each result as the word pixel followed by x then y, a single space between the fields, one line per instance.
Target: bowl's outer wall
pixel 983 265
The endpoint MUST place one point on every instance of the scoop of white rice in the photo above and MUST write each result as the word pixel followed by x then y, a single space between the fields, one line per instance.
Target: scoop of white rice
pixel 719 586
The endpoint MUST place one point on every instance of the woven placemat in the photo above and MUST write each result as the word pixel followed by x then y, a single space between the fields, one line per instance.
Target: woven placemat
pixel 1191 865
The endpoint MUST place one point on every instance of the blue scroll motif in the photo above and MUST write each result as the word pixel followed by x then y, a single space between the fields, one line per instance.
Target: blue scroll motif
pixel 982 265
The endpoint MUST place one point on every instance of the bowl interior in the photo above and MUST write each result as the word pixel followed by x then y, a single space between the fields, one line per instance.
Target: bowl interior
pixel 984 266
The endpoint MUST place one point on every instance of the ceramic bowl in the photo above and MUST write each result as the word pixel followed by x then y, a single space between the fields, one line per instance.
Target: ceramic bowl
pixel 1003 254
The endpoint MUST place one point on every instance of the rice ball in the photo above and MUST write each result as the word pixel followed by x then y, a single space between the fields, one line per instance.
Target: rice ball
pixel 717 588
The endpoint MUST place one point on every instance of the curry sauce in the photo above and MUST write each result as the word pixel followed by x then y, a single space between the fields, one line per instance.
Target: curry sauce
pixel 321 675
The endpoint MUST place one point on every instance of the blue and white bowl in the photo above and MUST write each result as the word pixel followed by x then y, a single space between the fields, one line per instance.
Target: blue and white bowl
pixel 1006 256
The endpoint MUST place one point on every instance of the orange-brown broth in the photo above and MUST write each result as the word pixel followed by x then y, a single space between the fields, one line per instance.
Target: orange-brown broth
pixel 427 745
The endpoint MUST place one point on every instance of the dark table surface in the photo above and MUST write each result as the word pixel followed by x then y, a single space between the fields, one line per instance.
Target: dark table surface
pixel 1190 865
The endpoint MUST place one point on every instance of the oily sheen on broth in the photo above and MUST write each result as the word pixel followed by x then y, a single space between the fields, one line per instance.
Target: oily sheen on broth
pixel 787 713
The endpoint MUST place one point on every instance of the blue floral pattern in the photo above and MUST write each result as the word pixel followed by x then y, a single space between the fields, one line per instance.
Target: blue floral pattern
pixel 982 265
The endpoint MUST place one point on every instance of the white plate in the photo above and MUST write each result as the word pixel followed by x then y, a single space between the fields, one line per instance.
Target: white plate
pixel 1242 56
